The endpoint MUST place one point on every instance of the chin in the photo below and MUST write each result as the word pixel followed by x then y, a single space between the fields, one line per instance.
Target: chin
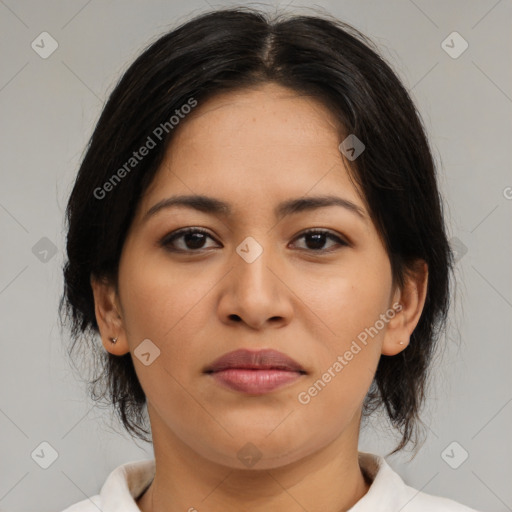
pixel 257 450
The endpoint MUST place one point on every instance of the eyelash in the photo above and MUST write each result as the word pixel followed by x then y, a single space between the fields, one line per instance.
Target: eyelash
pixel 167 240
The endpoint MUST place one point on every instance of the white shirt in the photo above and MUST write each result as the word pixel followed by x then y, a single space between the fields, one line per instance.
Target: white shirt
pixel 387 493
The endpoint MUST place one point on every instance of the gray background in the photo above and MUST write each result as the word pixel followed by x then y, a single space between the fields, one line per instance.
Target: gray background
pixel 48 110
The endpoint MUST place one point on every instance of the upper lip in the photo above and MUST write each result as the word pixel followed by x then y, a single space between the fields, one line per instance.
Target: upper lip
pixel 265 359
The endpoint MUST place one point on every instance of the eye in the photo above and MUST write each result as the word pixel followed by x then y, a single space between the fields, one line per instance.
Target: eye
pixel 317 239
pixel 193 240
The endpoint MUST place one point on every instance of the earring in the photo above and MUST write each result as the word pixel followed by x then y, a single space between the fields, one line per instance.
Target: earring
pixel 113 340
pixel 401 343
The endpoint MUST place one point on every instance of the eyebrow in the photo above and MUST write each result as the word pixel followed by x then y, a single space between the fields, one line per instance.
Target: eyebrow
pixel 215 206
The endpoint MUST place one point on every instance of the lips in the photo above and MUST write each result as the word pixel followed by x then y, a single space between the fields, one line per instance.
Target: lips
pixel 255 372
pixel 255 360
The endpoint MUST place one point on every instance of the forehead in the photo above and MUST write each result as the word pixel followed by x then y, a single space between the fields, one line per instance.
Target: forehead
pixel 268 115
pixel 257 146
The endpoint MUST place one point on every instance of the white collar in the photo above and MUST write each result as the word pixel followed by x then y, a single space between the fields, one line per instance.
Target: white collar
pixel 387 493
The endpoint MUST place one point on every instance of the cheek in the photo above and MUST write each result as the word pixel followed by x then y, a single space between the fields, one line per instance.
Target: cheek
pixel 153 297
pixel 165 307
pixel 159 305
pixel 350 298
pixel 350 354
pixel 350 303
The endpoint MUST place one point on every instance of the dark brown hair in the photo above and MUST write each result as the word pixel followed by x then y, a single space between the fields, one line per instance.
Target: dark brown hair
pixel 233 49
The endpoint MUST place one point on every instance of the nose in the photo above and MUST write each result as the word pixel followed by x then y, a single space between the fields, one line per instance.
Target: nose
pixel 255 292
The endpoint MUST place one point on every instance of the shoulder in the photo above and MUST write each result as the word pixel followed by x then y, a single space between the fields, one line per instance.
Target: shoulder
pixel 389 492
pixel 423 502
pixel 124 484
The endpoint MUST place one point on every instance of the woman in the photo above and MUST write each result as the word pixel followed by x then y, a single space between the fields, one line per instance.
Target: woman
pixel 256 235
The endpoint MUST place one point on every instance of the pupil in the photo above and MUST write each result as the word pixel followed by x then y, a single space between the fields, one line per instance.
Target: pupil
pixel 197 243
pixel 319 238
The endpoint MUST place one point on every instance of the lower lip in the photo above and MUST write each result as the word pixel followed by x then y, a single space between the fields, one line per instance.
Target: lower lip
pixel 256 382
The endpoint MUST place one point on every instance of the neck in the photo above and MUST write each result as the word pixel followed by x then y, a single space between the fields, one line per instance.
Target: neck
pixel 327 480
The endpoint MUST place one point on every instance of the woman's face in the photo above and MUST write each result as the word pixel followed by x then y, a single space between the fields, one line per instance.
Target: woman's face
pixel 256 280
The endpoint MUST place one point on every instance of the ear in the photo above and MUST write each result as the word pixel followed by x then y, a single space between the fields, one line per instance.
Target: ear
pixel 107 310
pixel 411 298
